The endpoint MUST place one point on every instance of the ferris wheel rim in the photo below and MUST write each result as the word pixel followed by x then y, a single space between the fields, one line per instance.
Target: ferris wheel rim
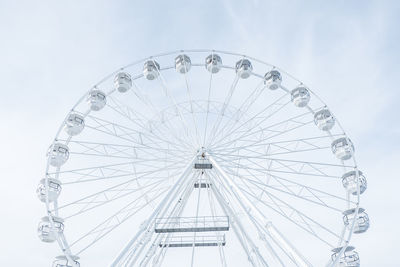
pixel 139 76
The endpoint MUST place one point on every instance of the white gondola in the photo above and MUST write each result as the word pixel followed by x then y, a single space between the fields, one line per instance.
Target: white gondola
pixel 58 154
pixel 46 232
pixel 349 258
pixel 96 100
pixel 324 119
pixel 300 96
pixel 151 70
pixel 74 124
pixel 273 79
pixel 62 261
pixel 244 68
pixel 183 64
pixel 54 189
pixel 343 148
pixel 362 220
pixel 349 181
pixel 213 63
pixel 123 82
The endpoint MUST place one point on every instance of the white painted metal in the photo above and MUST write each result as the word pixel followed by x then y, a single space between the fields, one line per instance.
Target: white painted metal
pixel 244 68
pixel 123 82
pixel 343 148
pixel 48 190
pixel 74 124
pixel 300 96
pixel 96 100
pixel 213 63
pixel 360 217
pixel 151 69
pixel 182 64
pixel 262 220
pixel 58 154
pixel 273 79
pixel 262 154
pixel 354 182
pixel 48 232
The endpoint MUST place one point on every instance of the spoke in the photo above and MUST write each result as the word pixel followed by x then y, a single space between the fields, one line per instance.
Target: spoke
pixel 115 220
pixel 98 203
pixel 172 100
pixel 121 150
pixel 275 107
pixel 281 166
pixel 170 129
pixel 146 129
pixel 248 102
pixel 254 212
pixel 132 245
pixel 113 171
pixel 274 130
pixel 303 217
pixel 114 188
pixel 126 133
pixel 239 230
pixel 191 108
pixel 222 112
pixel 279 146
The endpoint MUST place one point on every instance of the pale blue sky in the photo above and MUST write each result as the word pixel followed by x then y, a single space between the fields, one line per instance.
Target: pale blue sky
pixel 51 52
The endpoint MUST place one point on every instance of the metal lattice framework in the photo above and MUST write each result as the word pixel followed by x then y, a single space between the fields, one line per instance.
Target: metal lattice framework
pixel 198 152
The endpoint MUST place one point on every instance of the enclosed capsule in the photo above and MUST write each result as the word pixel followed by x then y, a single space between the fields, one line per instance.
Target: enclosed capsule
pixel 123 82
pixel 183 64
pixel 324 119
pixel 74 124
pixel 349 258
pixel 213 63
pixel 343 148
pixel 58 154
pixel 54 189
pixel 300 96
pixel 273 79
pixel 349 180
pixel 96 100
pixel 47 232
pixel 151 70
pixel 62 261
pixel 361 220
pixel 244 68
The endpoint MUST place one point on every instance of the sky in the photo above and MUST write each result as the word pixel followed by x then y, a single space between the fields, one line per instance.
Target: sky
pixel 51 52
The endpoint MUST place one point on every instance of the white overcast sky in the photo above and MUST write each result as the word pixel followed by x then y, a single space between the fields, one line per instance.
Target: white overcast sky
pixel 51 52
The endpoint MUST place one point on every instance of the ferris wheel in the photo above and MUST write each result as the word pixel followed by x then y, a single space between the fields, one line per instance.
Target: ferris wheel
pixel 199 157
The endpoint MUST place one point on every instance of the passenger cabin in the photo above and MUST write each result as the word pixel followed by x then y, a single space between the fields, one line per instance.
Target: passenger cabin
pixel 74 124
pixel 58 154
pixel 349 258
pixel 213 63
pixel 182 64
pixel 47 232
pixel 151 70
pixel 96 100
pixel 273 79
pixel 244 68
pixel 300 96
pixel 123 82
pixel 343 148
pixel 361 224
pixel 53 190
pixel 324 120
pixel 349 180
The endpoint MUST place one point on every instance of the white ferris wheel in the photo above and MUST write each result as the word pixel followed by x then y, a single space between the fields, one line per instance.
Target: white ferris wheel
pixel 202 157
